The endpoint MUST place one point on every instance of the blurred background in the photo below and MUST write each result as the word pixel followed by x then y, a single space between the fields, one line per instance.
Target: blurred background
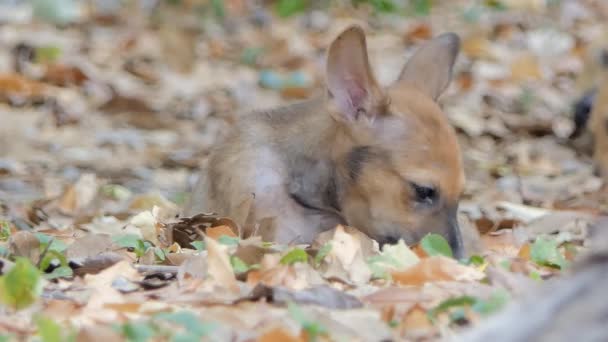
pixel 128 96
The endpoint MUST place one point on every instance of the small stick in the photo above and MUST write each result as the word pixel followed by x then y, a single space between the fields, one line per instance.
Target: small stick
pixel 157 268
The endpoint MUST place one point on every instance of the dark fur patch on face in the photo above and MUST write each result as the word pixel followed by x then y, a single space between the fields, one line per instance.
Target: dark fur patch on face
pixel 356 158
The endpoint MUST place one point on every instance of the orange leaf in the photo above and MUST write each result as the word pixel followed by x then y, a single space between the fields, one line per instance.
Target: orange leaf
pixel 253 277
pixel 526 67
pixel 64 75
pixel 416 319
pixel 524 252
pixel 279 335
pixel 422 31
pixel 477 47
pixel 216 232
pixel 436 268
pixel 17 85
pixel 419 251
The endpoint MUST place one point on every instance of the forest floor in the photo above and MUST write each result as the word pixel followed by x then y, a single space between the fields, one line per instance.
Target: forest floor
pixel 105 121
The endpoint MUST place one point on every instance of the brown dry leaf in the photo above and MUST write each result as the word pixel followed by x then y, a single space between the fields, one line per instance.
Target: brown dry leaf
pixel 79 195
pixel 296 92
pixel 217 232
pixel 503 241
pixel 178 46
pixel 524 252
pixel 147 202
pixel 13 85
pixel 297 276
pixel 346 259
pixel 99 262
pixel 318 295
pixel 194 266
pixel 89 246
pixel 98 333
pixel 103 292
pixel 25 244
pixel 526 67
pixel 416 322
pixel 436 268
pixel 279 335
pixel 420 32
pixel 64 75
pixel 477 47
pixel 219 267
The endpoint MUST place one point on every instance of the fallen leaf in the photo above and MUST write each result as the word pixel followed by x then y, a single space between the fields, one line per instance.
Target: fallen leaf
pixel 218 265
pixel 318 295
pixel 217 232
pixel 279 335
pixel 25 244
pixel 436 268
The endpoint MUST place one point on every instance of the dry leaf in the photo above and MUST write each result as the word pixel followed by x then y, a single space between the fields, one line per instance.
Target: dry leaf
pixel 436 268
pixel 218 265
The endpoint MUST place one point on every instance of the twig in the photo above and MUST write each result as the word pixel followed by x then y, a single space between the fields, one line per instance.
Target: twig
pixel 157 268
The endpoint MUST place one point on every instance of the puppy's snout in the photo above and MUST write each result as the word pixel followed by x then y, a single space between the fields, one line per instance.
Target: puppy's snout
pixel 454 237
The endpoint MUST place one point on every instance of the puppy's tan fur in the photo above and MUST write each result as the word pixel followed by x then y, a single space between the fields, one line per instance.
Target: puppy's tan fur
pixel 381 159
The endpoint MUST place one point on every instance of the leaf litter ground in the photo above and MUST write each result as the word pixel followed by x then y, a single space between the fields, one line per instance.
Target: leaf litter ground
pixel 106 120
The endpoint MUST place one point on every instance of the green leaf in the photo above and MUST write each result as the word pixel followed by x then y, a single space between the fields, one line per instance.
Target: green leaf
pixel 545 252
pixel 7 338
pixel 422 7
pixel 448 304
pixel 286 8
pixel 180 198
pixel 218 8
pixel 238 265
pixel 49 257
pixel 5 230
pixel 535 276
pixel 322 253
pixel 56 245
pixel 189 321
pixel 46 54
pixel 126 240
pixel 393 257
pixel 133 241
pixel 198 245
pixel 115 191
pixel 138 331
pixel 496 4
pixel 21 286
pixel 48 330
pixel 497 301
pixel 484 307
pixel 160 253
pixel 434 244
pixel 4 252
pixel 387 6
pixel 228 240
pixel 472 14
pixel 314 329
pixel 250 55
pixel 476 260
pixel 60 272
pixel 295 255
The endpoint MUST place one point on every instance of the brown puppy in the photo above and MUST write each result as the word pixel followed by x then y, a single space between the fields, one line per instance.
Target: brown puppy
pixel 383 160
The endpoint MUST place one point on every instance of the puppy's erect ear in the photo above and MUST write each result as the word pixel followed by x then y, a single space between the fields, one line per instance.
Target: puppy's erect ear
pixel 350 80
pixel 430 69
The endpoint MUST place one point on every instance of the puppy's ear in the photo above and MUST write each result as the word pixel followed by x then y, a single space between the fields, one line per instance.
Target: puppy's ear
pixel 430 69
pixel 350 80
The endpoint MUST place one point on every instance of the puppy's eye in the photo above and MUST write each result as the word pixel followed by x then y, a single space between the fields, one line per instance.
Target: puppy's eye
pixel 425 194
